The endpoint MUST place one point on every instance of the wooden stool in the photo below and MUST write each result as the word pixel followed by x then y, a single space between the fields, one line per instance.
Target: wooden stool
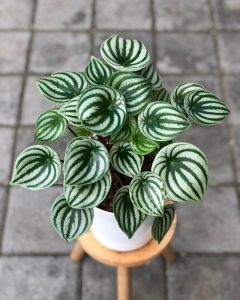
pixel 123 261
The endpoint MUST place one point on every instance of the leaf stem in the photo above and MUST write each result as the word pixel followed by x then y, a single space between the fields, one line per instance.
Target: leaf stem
pixel 70 129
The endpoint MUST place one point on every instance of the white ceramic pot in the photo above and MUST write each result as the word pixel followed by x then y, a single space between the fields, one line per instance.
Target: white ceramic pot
pixel 107 232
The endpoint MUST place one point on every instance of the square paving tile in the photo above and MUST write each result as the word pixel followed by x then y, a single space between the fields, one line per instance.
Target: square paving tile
pixel 71 14
pixel 214 142
pixel 212 226
pixel 3 202
pixel 123 14
pixel 229 53
pixel 6 138
pixel 232 91
pixel 26 138
pixel 15 14
pixel 28 226
pixel 38 278
pixel 185 53
pixel 10 88
pixel 208 81
pixel 148 281
pixel 61 51
pixel 33 103
pixel 13 51
pixel 189 15
pixel 204 277
pixel 145 37
pixel 99 281
pixel 227 13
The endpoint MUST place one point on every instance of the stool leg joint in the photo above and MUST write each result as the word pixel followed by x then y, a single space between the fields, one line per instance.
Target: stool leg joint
pixel 169 254
pixel 77 252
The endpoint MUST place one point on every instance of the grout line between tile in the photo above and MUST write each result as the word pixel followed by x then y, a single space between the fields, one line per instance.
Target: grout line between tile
pixel 19 111
pixel 154 56
pixel 162 73
pixel 93 30
pixel 87 31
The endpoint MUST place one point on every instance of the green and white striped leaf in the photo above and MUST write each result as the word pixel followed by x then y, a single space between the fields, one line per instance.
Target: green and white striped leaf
pixel 152 75
pixel 162 224
pixel 70 223
pixel 125 132
pixel 128 217
pixel 69 111
pixel 36 168
pixel 86 161
pixel 161 95
pixel 205 108
pixel 147 192
pixel 135 89
pixel 50 126
pixel 89 195
pixel 102 110
pixel 125 54
pixel 178 95
pixel 97 71
pixel 184 169
pixel 162 121
pixel 142 145
pixel 62 86
pixel 124 160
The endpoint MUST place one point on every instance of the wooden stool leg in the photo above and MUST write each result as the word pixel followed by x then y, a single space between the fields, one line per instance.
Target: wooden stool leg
pixel 169 253
pixel 124 283
pixel 77 252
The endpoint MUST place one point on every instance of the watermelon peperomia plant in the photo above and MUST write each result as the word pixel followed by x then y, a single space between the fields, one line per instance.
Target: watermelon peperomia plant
pixel 122 123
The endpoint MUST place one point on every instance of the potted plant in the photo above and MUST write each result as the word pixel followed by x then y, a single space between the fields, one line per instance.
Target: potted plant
pixel 121 163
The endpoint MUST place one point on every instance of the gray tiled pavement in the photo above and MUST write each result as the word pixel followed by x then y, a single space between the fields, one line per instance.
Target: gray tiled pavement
pixel 192 41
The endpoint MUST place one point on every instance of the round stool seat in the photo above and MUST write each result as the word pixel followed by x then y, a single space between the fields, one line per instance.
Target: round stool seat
pixel 125 259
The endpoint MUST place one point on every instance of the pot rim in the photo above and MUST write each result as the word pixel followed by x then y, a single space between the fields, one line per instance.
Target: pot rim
pixel 110 213
pixel 104 211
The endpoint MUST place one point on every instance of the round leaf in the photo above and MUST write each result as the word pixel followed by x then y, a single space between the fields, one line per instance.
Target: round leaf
pixel 141 144
pixel 135 89
pixel 70 223
pixel 37 167
pixel 180 92
pixel 162 224
pixel 50 126
pixel 89 195
pixel 124 160
pixel 69 111
pixel 62 86
pixel 125 54
pixel 102 110
pixel 205 108
pixel 151 75
pixel 147 192
pixel 97 71
pixel 86 161
pixel 184 169
pixel 129 218
pixel 161 121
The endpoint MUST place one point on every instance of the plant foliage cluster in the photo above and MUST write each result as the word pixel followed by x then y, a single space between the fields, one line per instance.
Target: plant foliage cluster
pixel 124 123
